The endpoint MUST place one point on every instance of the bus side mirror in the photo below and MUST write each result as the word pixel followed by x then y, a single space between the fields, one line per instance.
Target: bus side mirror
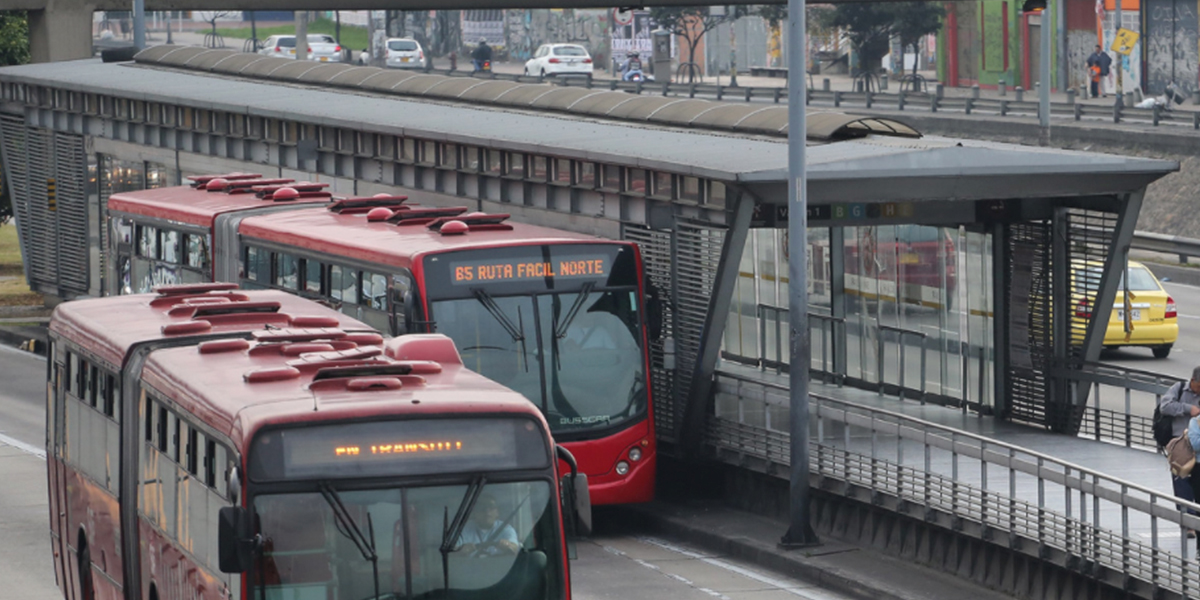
pixel 583 505
pixel 235 546
pixel 577 505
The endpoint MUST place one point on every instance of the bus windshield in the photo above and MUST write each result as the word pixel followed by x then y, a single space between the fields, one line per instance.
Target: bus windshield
pixel 392 543
pixel 576 354
pixel 571 345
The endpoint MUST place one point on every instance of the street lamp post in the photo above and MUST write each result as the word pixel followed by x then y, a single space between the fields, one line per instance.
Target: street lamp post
pixel 800 532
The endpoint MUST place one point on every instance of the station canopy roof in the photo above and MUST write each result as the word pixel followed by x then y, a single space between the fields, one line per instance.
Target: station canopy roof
pixel 868 166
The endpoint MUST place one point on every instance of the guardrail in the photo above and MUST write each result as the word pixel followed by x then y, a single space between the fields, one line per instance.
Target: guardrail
pixel 1060 508
pixel 901 100
pixel 1182 247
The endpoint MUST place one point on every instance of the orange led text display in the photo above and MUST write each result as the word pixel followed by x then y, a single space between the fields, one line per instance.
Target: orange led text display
pixel 424 447
pixel 519 270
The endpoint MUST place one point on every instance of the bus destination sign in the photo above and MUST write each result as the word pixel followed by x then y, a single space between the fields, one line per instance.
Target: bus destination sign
pixel 521 269
pixel 406 447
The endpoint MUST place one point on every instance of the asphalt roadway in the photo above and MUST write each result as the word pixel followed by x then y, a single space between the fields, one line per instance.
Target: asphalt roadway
pixel 678 549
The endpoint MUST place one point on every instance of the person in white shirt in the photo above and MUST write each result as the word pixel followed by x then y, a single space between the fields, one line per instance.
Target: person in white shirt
pixel 486 533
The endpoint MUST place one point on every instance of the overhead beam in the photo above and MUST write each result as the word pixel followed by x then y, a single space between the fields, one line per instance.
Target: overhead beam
pixel 405 4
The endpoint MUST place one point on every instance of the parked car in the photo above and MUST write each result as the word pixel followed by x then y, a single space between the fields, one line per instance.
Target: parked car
pixel 321 47
pixel 1152 312
pixel 402 53
pixel 560 59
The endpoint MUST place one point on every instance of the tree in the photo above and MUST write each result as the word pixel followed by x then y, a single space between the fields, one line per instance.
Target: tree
pixel 915 20
pixel 213 39
pixel 14 50
pixel 691 23
pixel 870 28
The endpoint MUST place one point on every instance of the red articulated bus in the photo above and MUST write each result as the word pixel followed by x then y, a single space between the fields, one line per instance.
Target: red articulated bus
pixel 558 316
pixel 210 443
pixel 165 236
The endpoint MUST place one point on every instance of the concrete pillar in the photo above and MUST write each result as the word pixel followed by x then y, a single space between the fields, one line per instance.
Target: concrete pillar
pixel 62 31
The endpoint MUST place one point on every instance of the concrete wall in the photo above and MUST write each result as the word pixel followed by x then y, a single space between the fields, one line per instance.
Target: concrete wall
pixel 525 30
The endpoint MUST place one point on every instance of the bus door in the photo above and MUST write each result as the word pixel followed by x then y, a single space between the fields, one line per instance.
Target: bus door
pixel 56 445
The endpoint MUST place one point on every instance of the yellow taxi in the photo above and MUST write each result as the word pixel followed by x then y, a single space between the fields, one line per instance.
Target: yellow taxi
pixel 1153 321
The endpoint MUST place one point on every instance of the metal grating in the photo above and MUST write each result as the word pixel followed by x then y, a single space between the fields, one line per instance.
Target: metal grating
pixel 655 246
pixel 1028 292
pixel 697 254
pixel 1090 238
pixel 16 171
pixel 70 168
pixel 40 235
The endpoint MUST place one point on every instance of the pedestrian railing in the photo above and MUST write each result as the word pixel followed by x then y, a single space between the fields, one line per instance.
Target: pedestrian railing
pixel 1116 530
pixel 902 100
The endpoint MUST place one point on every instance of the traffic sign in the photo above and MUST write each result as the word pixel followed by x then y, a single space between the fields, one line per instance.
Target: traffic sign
pixel 624 18
pixel 1124 41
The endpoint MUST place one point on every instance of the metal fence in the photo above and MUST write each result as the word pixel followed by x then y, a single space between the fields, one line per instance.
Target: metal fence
pixel 901 100
pixel 1113 526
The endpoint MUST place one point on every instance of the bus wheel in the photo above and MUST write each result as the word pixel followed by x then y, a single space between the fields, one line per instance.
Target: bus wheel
pixel 87 587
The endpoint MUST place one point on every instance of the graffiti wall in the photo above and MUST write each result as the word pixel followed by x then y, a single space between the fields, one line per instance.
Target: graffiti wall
pixel 1172 53
pixel 1131 66
pixel 525 30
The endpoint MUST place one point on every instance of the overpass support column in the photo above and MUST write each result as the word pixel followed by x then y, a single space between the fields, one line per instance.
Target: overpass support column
pixel 61 31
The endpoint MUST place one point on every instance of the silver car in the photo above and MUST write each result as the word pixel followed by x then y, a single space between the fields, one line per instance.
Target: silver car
pixel 321 47
pixel 400 53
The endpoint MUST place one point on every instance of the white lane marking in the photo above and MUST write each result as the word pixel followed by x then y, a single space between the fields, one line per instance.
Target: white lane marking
pixel 22 446
pixel 1187 316
pixel 678 578
pixel 744 572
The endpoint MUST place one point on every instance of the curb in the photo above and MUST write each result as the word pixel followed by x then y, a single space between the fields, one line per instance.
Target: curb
pixel 834 565
pixel 26 337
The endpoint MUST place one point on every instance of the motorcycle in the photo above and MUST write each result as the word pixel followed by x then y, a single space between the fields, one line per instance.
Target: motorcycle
pixel 636 75
pixel 484 66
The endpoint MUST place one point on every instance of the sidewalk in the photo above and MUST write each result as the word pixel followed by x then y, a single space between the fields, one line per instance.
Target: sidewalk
pixel 837 82
pixel 834 565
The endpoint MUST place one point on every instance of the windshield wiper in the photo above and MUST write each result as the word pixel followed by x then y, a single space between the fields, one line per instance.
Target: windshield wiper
pixel 560 329
pixel 516 333
pixel 452 530
pixel 350 529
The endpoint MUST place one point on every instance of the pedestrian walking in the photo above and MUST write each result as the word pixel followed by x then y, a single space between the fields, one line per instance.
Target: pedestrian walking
pixel 1098 64
pixel 1182 403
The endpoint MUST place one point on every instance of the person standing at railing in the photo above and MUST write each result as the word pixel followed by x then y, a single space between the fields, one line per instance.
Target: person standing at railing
pixel 1182 404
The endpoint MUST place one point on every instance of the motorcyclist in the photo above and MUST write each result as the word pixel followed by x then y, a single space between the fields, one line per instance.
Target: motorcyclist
pixel 632 64
pixel 482 54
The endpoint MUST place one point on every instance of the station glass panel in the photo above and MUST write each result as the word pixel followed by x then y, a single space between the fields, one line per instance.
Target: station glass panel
pixel 911 294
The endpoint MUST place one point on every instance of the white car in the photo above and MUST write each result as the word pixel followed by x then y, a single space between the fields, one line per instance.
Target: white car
pixel 321 47
pixel 560 59
pixel 402 53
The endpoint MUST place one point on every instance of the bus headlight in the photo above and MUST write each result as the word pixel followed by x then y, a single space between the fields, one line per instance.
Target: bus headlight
pixel 622 468
pixel 635 454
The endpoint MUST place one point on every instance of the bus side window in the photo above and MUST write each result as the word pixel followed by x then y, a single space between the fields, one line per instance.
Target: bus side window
pixel 312 276
pixel 193 449
pixel 160 423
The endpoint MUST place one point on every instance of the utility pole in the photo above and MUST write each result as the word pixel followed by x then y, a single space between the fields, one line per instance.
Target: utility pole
pixel 139 24
pixel 1120 100
pixel 800 533
pixel 732 46
pixel 1044 76
pixel 301 35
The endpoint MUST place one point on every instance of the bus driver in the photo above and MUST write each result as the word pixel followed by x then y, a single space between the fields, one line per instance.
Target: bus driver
pixel 485 534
